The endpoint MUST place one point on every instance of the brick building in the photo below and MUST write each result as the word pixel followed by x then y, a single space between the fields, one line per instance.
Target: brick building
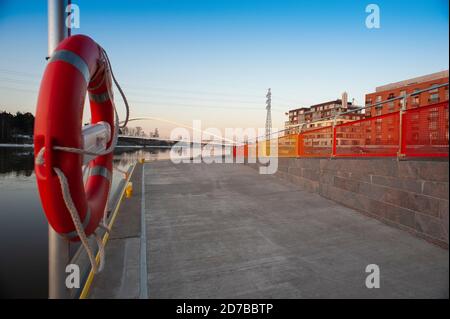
pixel 319 115
pixel 427 126
pixel 389 91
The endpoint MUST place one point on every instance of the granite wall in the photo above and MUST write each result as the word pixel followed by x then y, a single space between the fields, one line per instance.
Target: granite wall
pixel 410 194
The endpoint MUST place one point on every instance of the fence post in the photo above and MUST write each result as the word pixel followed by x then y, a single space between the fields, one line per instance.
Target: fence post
pixel 401 138
pixel 300 142
pixel 333 154
pixel 333 142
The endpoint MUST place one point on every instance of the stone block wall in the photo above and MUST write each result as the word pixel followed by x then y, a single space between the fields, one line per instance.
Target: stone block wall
pixel 410 194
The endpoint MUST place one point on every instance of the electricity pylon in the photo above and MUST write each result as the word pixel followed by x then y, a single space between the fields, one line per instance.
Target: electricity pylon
pixel 269 115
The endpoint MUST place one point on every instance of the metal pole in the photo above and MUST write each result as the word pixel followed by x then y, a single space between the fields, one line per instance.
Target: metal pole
pixel 58 247
pixel 400 154
pixel 334 140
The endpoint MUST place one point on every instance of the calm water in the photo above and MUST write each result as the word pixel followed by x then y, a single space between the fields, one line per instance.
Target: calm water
pixel 23 227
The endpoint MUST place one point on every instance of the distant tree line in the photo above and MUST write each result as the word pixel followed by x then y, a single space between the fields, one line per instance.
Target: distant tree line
pixel 16 127
pixel 138 131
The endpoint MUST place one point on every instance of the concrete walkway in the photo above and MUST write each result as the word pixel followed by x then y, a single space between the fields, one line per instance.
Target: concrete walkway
pixel 224 231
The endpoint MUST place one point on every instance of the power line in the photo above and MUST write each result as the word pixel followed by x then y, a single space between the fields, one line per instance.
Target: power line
pixel 141 87
pixel 147 88
pixel 196 98
pixel 18 89
pixel 171 97
pixel 152 103
pixel 147 101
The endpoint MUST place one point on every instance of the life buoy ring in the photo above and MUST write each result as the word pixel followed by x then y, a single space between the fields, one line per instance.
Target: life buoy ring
pixel 77 66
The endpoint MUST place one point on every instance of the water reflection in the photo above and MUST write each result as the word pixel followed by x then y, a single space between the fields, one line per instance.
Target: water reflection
pixel 16 161
pixel 123 157
pixel 23 226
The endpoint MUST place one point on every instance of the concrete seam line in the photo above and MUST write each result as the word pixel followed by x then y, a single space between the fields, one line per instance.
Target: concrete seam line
pixel 143 294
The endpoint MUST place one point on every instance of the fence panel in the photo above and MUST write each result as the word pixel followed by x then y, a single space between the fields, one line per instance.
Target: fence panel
pixel 376 136
pixel 241 151
pixel 316 142
pixel 425 131
pixel 421 132
pixel 262 148
pixel 252 150
pixel 288 145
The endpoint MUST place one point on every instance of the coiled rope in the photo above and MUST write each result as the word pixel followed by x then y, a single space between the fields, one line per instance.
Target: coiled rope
pixel 65 190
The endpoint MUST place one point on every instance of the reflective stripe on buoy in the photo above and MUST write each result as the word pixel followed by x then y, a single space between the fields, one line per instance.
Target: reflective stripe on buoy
pixel 99 98
pixel 101 171
pixel 74 60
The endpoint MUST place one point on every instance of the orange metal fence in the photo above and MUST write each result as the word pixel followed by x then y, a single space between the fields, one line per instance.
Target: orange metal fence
pixel 316 143
pixel 420 132
pixel 288 145
pixel 425 131
pixel 375 136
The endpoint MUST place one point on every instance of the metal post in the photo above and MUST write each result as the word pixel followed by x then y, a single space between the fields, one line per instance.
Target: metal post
pixel 58 247
pixel 334 140
pixel 400 154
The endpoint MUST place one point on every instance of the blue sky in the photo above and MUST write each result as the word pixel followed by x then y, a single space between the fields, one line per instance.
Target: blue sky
pixel 214 60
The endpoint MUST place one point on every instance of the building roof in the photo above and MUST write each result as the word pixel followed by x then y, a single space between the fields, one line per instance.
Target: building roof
pixel 338 101
pixel 299 109
pixel 420 79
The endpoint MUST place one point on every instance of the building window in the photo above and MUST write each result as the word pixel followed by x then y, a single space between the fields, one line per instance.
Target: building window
pixel 391 106
pixel 434 97
pixel 432 126
pixel 434 114
pixel 433 137
pixel 433 90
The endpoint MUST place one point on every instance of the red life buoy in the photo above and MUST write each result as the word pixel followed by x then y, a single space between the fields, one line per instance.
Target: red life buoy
pixel 76 66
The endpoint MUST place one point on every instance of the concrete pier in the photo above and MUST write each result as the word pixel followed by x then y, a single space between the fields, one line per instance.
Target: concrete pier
pixel 224 231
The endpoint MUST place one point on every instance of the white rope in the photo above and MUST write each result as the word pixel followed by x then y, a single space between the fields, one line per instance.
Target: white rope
pixel 118 87
pixel 101 251
pixel 75 217
pixel 104 227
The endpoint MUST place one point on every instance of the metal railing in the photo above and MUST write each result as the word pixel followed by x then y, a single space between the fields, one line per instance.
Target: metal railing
pixel 414 132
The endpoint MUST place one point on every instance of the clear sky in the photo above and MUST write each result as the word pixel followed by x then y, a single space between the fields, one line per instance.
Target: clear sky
pixel 213 60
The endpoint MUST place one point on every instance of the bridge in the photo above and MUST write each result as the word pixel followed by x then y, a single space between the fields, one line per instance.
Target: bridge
pixel 145 141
